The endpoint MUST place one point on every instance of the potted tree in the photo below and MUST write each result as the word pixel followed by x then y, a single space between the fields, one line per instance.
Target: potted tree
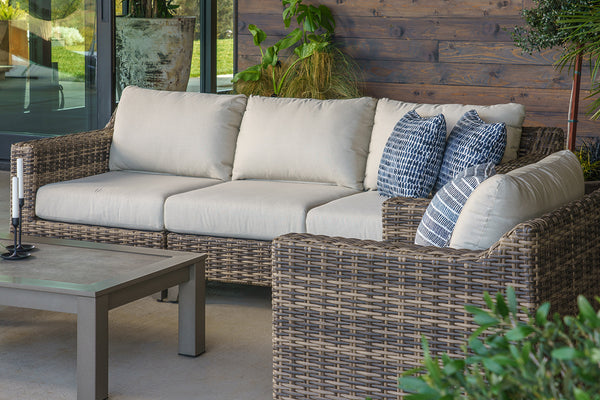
pixel 153 47
pixel 514 358
pixel 550 24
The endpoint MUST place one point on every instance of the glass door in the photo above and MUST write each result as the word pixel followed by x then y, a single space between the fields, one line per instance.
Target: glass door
pixel 48 54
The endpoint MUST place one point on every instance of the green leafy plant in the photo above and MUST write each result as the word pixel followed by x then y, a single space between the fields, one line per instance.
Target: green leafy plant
pixel 574 26
pixel 287 75
pixel 10 12
pixel 511 358
pixel 152 8
pixel 543 29
pixel 589 158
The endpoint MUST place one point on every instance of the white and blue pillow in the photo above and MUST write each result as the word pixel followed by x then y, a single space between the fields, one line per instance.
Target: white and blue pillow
pixel 471 142
pixel 438 222
pixel 412 156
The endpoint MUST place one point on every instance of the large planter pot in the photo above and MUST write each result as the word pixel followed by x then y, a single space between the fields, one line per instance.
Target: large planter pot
pixel 154 53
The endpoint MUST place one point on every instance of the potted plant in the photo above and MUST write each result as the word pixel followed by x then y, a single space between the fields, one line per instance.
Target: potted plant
pixel 511 358
pixel 305 63
pixel 153 47
pixel 550 24
pixel 589 158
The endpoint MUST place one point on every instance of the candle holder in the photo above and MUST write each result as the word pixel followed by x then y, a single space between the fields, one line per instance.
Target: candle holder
pixel 15 254
pixel 21 248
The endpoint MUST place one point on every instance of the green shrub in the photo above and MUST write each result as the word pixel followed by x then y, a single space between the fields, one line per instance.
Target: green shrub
pixel 9 12
pixel 511 358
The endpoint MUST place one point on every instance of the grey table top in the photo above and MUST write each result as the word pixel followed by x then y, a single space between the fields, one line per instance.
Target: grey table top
pixel 87 269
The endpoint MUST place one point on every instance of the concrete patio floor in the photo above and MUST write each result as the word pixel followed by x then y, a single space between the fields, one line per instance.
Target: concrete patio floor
pixel 38 357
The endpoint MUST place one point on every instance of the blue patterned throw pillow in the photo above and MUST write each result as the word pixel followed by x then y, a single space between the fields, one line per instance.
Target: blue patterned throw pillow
pixel 442 213
pixel 412 156
pixel 471 142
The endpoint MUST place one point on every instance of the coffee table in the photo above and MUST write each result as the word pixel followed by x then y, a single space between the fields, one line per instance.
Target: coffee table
pixel 89 279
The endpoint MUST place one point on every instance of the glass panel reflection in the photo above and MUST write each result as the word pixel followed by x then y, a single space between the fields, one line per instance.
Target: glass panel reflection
pixel 47 65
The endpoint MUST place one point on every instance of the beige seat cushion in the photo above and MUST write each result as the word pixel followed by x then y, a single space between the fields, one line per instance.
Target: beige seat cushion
pixel 120 199
pixel 179 133
pixel 307 140
pixel 389 112
pixel 505 200
pixel 355 216
pixel 260 210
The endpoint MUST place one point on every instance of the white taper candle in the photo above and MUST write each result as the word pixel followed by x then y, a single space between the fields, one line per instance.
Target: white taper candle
pixel 20 176
pixel 15 197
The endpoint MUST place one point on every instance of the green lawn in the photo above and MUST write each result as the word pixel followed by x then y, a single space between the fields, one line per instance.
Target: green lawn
pixel 71 64
pixel 224 57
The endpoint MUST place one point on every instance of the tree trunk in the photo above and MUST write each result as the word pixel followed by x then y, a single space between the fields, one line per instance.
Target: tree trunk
pixel 574 106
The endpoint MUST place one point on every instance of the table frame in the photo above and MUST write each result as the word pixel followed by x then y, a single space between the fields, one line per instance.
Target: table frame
pixel 92 311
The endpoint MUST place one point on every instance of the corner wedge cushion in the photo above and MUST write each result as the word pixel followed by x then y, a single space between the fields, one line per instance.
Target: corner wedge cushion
pixel 505 200
pixel 179 133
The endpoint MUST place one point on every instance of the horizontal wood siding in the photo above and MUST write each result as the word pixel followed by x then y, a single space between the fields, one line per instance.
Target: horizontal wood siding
pixel 437 51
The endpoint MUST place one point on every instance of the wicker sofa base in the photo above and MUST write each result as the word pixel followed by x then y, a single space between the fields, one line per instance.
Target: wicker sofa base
pixel 229 260
pixel 94 233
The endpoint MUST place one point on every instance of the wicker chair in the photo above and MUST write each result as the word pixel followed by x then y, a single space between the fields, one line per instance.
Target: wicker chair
pixel 229 259
pixel 348 315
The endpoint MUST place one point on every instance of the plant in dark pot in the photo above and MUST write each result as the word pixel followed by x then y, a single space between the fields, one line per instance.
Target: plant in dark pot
pixel 305 63
pixel 514 358
pixel 153 46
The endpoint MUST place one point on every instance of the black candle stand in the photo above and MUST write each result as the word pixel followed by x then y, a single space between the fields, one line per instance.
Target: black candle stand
pixel 15 254
pixel 21 248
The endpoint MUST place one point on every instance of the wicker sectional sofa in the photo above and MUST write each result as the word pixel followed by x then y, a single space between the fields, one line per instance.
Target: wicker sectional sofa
pixel 65 177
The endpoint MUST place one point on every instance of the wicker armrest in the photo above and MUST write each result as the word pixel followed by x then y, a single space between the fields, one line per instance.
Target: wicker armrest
pixel 348 315
pixel 59 159
pixel 401 217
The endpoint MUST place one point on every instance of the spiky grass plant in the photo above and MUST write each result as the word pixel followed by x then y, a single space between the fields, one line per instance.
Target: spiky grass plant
pixel 589 158
pixel 327 74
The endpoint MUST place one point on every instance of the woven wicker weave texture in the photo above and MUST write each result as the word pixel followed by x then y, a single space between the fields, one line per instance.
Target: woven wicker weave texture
pixel 229 260
pixel 348 315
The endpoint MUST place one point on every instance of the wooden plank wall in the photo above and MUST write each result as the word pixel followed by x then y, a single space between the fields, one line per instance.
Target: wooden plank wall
pixel 437 51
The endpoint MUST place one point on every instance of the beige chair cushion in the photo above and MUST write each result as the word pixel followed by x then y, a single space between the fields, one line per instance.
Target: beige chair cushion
pixel 307 140
pixel 260 210
pixel 389 112
pixel 119 199
pixel 503 201
pixel 356 216
pixel 180 133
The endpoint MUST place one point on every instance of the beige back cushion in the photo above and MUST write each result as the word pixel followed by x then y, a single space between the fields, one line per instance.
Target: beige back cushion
pixel 308 140
pixel 180 133
pixel 503 201
pixel 390 111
